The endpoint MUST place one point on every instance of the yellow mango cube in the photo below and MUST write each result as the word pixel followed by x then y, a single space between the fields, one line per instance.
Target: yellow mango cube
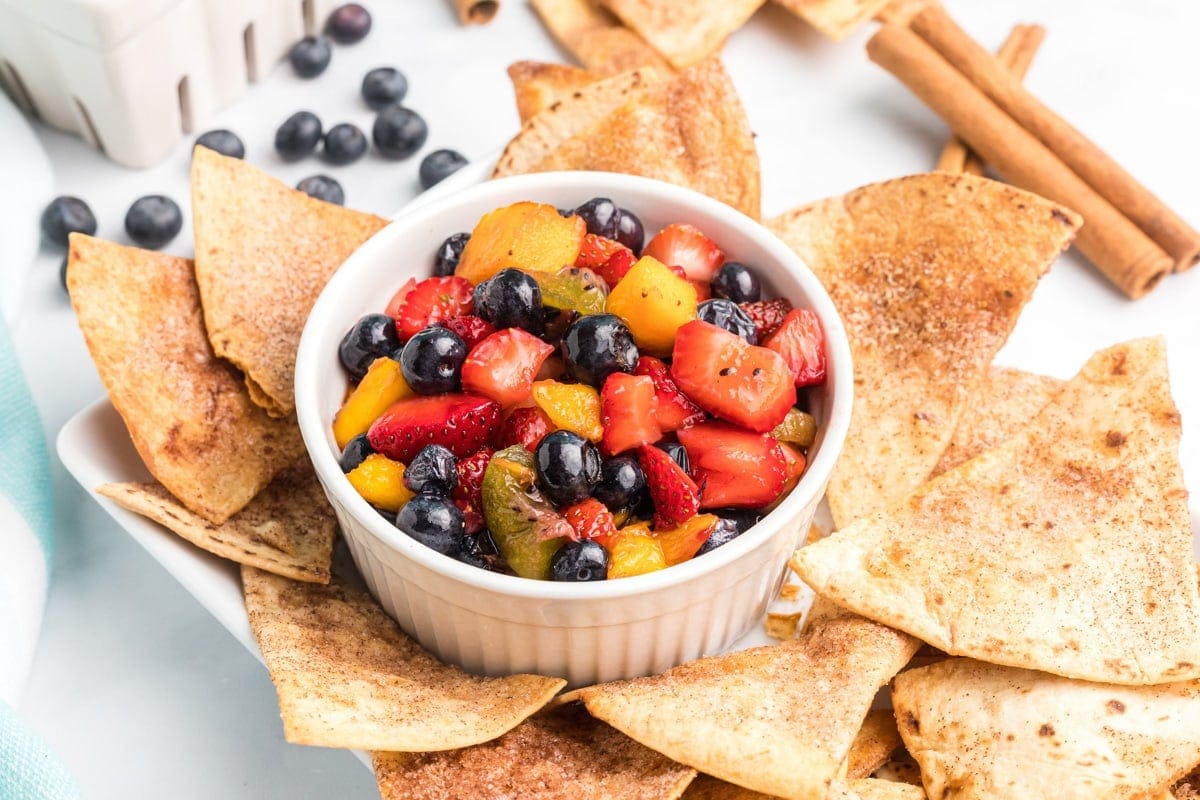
pixel 572 406
pixel 383 385
pixel 654 302
pixel 529 236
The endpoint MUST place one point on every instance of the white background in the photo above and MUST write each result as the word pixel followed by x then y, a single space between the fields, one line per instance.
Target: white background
pixel 145 695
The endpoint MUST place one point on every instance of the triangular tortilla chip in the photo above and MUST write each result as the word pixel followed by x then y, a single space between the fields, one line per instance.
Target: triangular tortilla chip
pixel 984 732
pixel 186 410
pixel 1189 787
pixel 1066 549
pixel 264 251
pixel 706 787
pixel 778 719
pixel 873 746
pixel 548 130
pixel 837 19
pixel 929 274
pixel 691 131
pixel 538 85
pixel 558 754
pixel 684 31
pixel 595 37
pixel 286 529
pixel 347 676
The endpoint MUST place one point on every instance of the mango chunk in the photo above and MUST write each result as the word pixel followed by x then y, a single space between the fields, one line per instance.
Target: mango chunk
pixel 654 302
pixel 383 385
pixel 380 481
pixel 635 551
pixel 529 236
pixel 572 406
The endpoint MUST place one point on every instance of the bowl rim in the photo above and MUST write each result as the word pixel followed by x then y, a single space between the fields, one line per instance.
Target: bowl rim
pixel 314 430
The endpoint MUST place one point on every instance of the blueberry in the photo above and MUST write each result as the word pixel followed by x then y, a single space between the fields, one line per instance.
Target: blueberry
pixel 310 56
pixel 439 165
pixel 678 454
pixel 511 299
pixel 446 260
pixel 480 551
pixel 370 338
pixel 432 361
pixel 602 217
pixel 298 135
pixel 434 522
pixel 630 231
pixel 736 282
pixel 153 220
pixel 62 273
pixel 66 215
pixel 744 518
pixel 355 452
pixel 344 144
pixel 383 87
pixel 223 141
pixel 622 483
pixel 323 187
pixel 568 466
pixel 724 532
pixel 399 132
pixel 433 470
pixel 349 24
pixel 726 314
pixel 597 345
pixel 579 561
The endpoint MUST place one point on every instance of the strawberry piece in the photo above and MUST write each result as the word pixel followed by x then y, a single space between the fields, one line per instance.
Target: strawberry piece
pixel 524 426
pixel 617 265
pixel 504 365
pixel 801 342
pixel 735 467
pixel 731 379
pixel 598 250
pixel 398 299
pixel 676 496
pixel 672 408
pixel 767 315
pixel 703 291
pixel 591 519
pixel 470 328
pixel 678 270
pixel 468 494
pixel 627 413
pixel 688 247
pixel 430 301
pixel 462 423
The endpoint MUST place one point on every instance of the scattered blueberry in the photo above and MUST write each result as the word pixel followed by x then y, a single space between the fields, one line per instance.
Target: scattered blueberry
pixel 223 141
pixel 726 314
pixel 355 452
pixel 324 188
pixel 432 361
pixel 568 466
pixel 349 24
pixel 298 135
pixel 153 220
pixel 597 345
pixel 310 56
pixel 439 165
pixel 433 470
pixel 724 532
pixel 630 231
pixel 434 522
pixel 622 483
pixel 736 282
pixel 383 87
pixel 678 454
pixel 344 144
pixel 602 217
pixel 579 561
pixel 399 132
pixel 449 253
pixel 511 299
pixel 370 338
pixel 66 215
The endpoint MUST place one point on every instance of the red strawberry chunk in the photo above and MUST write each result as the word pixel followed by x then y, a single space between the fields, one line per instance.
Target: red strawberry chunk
pixel 735 467
pixel 433 300
pixel 598 250
pixel 767 315
pixel 468 494
pixel 504 365
pixel 627 413
pixel 801 342
pixel 731 379
pixel 676 496
pixel 524 426
pixel 687 246
pixel 617 265
pixel 462 423
pixel 470 328
pixel 673 409
pixel 590 519
pixel 399 298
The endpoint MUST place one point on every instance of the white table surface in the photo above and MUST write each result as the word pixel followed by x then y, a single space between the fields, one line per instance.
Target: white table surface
pixel 145 695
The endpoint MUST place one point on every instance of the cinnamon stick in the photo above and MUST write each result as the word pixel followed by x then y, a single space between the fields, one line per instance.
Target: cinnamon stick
pixel 1081 155
pixel 1015 55
pixel 476 12
pixel 1121 251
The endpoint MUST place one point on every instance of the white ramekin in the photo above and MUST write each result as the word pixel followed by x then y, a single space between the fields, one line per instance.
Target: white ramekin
pixel 500 624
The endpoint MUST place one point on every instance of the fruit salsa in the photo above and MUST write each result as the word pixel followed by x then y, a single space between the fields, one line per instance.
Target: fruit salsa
pixel 559 402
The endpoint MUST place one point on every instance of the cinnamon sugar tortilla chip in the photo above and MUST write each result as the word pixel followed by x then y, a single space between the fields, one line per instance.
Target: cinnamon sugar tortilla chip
pixel 706 787
pixel 929 274
pixel 985 732
pixel 873 746
pixel 562 754
pixel 187 411
pixel 286 529
pixel 1188 787
pixel 595 37
pixel 264 251
pixel 347 676
pixel 539 85
pixel 837 19
pixel 1067 549
pixel 684 31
